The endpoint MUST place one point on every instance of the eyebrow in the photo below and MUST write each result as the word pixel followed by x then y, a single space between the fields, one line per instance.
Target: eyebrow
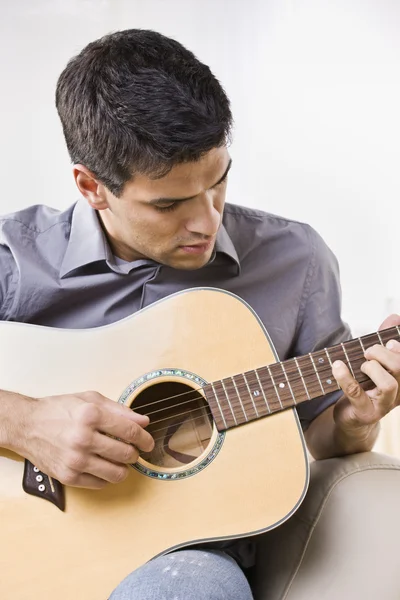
pixel 165 200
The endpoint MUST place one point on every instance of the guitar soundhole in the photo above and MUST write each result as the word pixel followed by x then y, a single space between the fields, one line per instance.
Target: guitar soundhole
pixel 180 423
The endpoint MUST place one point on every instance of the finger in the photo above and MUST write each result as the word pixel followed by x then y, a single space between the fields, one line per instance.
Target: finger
pixel 90 481
pixel 384 395
pixel 125 430
pixel 393 346
pixel 388 358
pixel 114 450
pixel 357 397
pixel 391 321
pixel 116 408
pixel 106 470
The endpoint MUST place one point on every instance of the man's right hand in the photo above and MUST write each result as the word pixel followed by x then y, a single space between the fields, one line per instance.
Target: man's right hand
pixel 68 437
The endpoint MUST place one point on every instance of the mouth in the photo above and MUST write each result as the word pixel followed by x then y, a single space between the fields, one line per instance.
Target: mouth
pixel 196 248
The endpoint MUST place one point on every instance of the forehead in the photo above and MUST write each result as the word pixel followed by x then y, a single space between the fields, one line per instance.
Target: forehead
pixel 184 180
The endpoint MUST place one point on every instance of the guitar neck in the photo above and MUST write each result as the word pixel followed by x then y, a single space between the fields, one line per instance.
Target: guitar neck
pixel 272 388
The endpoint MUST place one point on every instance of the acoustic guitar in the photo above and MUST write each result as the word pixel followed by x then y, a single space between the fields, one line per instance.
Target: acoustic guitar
pixel 229 459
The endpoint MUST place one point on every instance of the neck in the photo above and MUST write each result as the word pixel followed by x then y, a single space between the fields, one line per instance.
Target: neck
pixel 272 388
pixel 118 247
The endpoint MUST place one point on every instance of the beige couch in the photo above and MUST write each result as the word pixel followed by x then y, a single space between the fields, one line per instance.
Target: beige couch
pixel 343 542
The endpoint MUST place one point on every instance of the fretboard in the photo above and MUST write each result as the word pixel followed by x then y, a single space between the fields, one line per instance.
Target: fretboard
pixel 255 394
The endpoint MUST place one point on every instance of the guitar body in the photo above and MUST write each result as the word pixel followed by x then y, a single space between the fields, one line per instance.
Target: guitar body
pixel 204 485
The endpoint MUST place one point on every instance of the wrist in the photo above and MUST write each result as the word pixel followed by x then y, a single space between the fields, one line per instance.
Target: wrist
pixel 15 418
pixel 351 438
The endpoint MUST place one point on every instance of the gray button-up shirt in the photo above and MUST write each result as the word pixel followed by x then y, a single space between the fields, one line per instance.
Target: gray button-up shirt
pixel 57 269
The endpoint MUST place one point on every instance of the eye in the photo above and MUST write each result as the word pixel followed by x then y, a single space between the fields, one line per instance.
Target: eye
pixel 172 206
pixel 224 180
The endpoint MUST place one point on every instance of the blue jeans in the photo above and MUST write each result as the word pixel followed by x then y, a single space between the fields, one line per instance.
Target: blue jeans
pixel 186 575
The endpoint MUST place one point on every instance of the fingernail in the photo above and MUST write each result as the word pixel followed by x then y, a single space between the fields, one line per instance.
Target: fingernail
pixel 391 344
pixel 337 364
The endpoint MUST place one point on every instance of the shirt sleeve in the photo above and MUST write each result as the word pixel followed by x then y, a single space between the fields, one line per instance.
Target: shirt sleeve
pixel 319 322
pixel 8 272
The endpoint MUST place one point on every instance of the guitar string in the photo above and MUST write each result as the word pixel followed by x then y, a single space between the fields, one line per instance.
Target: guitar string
pixel 187 412
pixel 356 355
pixel 295 379
pixel 242 388
pixel 165 429
pixel 204 408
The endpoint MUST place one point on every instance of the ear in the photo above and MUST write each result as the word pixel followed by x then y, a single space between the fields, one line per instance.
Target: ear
pixel 89 187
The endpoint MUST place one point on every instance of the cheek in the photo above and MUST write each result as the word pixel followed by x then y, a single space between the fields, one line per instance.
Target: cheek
pixel 161 229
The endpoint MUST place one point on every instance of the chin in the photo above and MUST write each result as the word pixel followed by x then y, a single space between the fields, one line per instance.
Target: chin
pixel 189 263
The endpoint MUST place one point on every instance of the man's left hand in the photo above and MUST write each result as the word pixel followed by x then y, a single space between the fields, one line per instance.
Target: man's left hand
pixel 359 411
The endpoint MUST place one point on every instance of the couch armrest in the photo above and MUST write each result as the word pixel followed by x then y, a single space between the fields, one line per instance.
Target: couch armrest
pixel 343 542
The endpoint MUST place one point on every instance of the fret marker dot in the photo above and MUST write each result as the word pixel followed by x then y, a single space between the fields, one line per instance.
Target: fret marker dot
pixel 320 360
pixel 329 381
pixel 256 393
pixel 281 385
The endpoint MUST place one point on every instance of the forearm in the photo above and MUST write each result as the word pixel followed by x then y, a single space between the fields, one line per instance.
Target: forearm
pixel 326 440
pixel 14 420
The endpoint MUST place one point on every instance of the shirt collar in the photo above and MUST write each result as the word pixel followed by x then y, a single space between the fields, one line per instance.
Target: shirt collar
pixel 224 245
pixel 88 244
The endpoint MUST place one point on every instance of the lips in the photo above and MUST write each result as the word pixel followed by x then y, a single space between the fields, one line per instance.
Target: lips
pixel 196 248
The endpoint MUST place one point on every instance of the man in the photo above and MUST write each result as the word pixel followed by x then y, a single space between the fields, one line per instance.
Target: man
pixel 147 127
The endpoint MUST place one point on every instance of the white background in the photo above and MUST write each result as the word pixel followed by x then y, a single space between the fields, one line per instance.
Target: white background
pixel 315 91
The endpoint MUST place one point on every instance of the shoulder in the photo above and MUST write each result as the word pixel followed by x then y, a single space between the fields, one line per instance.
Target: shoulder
pixel 252 229
pixel 34 220
pixel 37 226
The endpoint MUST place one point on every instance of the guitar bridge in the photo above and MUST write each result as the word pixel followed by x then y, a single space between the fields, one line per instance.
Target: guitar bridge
pixel 39 484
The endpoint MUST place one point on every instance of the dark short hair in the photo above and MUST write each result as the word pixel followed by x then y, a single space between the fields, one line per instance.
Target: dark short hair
pixel 136 101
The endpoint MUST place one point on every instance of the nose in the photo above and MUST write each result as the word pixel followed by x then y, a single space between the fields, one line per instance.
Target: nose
pixel 204 218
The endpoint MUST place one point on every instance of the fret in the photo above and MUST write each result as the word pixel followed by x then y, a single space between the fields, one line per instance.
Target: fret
pixel 247 398
pixel 250 394
pixel 262 390
pixel 257 393
pixel 348 360
pixel 316 372
pixel 356 358
pixel 329 358
pixel 229 402
pixel 324 368
pixel 302 378
pixel 370 340
pixel 262 381
pixel 288 382
pixel 331 365
pixel 224 404
pixel 235 400
pixel 244 397
pixel 387 334
pixel 279 377
pixel 310 377
pixel 240 400
pixel 218 404
pixel 274 399
pixel 274 384
pixel 336 353
pixel 232 393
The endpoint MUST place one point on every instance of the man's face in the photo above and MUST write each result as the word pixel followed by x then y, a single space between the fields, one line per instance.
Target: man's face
pixel 173 220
